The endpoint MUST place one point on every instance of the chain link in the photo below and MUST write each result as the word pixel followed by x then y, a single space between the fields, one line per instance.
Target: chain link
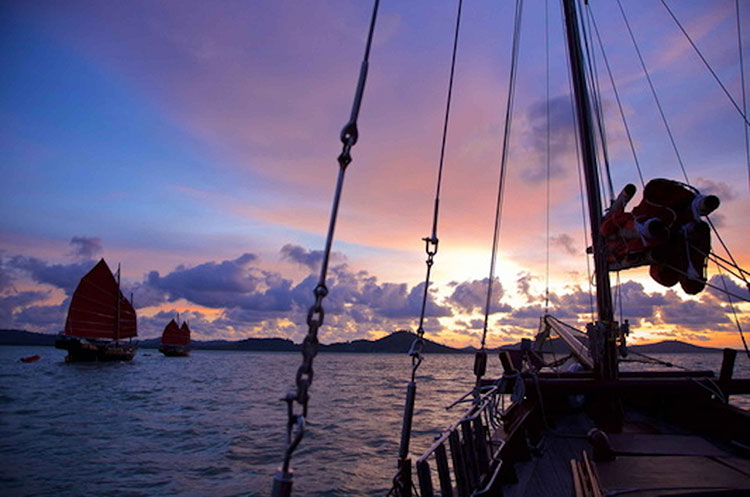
pixel 295 426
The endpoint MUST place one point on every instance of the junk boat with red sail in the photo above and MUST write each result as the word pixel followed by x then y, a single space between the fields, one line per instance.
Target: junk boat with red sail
pixel 175 340
pixel 99 319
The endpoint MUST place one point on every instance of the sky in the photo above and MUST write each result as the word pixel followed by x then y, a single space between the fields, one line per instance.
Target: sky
pixel 194 144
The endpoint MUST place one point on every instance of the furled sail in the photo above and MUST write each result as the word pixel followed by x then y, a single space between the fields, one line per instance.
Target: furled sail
pixel 98 308
pixel 174 335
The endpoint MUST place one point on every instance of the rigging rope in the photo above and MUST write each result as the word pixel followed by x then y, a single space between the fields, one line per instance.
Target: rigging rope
pixel 617 95
pixel 653 91
pixel 503 162
pixel 708 66
pixel 282 485
pixel 726 249
pixel 742 80
pixel 580 181
pixel 402 479
pixel 546 44
pixel 734 311
pixel 597 104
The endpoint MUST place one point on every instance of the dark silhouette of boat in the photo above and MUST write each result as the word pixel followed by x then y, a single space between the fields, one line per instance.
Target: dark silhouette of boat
pixel 175 340
pixel 32 358
pixel 586 429
pixel 99 319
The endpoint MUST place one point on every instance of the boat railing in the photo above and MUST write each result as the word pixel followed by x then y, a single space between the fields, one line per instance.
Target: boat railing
pixel 480 447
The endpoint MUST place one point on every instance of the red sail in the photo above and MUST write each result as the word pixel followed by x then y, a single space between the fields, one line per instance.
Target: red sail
pixel 96 305
pixel 185 330
pixel 173 335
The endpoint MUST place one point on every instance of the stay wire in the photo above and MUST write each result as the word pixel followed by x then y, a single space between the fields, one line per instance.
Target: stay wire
pixel 597 102
pixel 742 79
pixel 580 180
pixel 708 66
pixel 617 95
pixel 546 44
pixel 304 376
pixel 402 479
pixel 431 242
pixel 653 91
pixel 503 161
pixel 726 249
pixel 734 311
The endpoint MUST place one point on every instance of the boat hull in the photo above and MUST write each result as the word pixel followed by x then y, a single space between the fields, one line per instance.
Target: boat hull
pixel 82 350
pixel 174 350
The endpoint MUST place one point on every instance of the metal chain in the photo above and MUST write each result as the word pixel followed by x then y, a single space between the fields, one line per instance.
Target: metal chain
pixel 402 483
pixel 431 242
pixel 295 429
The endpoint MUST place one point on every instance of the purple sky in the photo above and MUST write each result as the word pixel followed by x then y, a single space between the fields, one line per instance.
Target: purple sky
pixel 195 144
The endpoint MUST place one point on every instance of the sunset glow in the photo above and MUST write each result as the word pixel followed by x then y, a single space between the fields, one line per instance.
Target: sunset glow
pixel 195 142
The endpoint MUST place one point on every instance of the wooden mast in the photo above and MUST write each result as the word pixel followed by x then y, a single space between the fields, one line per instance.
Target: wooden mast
pixel 117 296
pixel 605 354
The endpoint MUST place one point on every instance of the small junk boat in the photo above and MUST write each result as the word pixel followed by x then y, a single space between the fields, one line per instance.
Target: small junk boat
pixel 31 358
pixel 99 318
pixel 175 340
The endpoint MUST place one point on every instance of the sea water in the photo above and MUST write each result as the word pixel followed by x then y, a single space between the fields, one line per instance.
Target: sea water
pixel 213 423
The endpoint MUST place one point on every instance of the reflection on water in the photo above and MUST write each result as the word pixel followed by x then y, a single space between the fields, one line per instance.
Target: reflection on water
pixel 212 424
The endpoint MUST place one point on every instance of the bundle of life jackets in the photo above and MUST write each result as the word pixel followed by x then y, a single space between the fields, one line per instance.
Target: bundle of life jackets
pixel 664 231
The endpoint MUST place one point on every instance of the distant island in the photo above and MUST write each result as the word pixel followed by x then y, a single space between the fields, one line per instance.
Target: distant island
pixel 396 342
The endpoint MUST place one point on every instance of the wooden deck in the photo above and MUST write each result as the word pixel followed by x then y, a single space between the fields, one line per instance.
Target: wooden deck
pixel 652 459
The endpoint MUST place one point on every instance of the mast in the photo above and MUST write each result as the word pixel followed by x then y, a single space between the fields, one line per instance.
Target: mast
pixel 603 331
pixel 117 322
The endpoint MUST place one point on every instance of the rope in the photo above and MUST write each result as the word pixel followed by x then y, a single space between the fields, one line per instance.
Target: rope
pixel 742 79
pixel 617 96
pixel 734 311
pixel 716 257
pixel 315 315
pixel 653 91
pixel 596 100
pixel 546 44
pixel 503 161
pixel 400 483
pixel 431 242
pixel 726 249
pixel 708 66
pixel 580 185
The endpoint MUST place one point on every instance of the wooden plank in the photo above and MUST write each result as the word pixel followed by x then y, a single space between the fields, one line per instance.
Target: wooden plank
pixel 577 486
pixel 470 454
pixel 425 480
pixel 459 465
pixel 480 440
pixel 684 472
pixel 652 444
pixel 444 475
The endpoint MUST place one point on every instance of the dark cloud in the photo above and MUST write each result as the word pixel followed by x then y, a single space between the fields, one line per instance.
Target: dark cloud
pixel 6 278
pixel 636 302
pixel 64 276
pixel 85 247
pixel 722 190
pixel 719 281
pixel 575 302
pixel 43 318
pixel 562 140
pixel 523 283
pixel 565 242
pixel 702 314
pixel 471 296
pixel 310 259
pixel 10 304
pixel 230 283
